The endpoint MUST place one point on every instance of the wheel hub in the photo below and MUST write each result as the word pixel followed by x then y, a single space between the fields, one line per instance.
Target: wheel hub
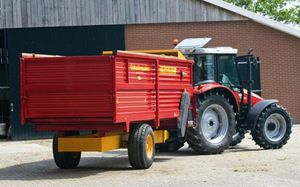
pixel 275 127
pixel 271 126
pixel 149 146
pixel 214 123
pixel 211 123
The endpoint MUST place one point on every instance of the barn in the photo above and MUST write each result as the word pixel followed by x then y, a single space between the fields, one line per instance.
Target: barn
pixel 79 27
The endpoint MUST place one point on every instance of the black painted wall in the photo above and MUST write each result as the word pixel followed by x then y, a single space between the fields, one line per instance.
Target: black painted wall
pixel 89 40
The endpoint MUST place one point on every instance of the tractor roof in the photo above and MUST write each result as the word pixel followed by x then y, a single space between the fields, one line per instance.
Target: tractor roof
pixel 196 46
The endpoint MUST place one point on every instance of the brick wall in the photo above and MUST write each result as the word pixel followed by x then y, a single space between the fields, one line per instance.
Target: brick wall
pixel 279 52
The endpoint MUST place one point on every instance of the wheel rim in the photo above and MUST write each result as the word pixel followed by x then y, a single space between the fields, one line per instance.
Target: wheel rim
pixel 214 123
pixel 149 146
pixel 275 127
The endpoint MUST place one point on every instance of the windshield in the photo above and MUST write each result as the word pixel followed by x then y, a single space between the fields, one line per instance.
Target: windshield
pixel 204 68
pixel 228 74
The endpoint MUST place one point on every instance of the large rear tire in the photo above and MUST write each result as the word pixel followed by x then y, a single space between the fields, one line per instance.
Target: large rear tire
pixel 216 125
pixel 273 128
pixel 65 160
pixel 141 146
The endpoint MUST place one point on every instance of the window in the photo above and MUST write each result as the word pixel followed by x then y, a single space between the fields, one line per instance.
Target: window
pixel 228 74
pixel 204 68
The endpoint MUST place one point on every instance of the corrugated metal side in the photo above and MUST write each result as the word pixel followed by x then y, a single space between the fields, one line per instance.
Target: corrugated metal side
pixel 135 91
pixel 171 88
pixel 67 89
pixel 135 88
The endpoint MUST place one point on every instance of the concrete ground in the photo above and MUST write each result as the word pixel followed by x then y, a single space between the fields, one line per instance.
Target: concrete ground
pixel 30 163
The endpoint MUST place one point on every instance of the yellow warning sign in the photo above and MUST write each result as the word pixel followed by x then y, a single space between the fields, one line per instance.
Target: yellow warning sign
pixel 162 69
pixel 167 70
pixel 135 67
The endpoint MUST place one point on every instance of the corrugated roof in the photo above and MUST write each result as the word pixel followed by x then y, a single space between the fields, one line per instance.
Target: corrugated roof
pixel 255 17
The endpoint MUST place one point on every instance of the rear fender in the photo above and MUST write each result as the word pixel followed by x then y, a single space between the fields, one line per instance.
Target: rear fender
pixel 215 87
pixel 253 115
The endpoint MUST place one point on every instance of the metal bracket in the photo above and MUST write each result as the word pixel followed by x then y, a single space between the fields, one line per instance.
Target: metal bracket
pixel 184 109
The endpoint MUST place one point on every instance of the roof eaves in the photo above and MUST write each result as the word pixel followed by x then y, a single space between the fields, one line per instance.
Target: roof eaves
pixel 255 17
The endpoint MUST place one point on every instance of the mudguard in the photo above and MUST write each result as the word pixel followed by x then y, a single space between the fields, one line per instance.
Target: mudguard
pixel 210 86
pixel 184 110
pixel 253 115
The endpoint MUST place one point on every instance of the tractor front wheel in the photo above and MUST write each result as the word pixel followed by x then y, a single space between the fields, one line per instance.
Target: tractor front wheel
pixel 65 160
pixel 141 146
pixel 273 128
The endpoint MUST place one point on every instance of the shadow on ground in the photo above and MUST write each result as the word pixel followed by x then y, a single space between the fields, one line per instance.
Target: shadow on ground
pixel 243 149
pixel 46 169
pixel 112 161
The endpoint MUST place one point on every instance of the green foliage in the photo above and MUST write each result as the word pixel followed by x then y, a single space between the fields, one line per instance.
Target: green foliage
pixel 276 9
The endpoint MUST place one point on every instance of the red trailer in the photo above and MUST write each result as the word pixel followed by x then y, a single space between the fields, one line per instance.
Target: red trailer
pixel 126 100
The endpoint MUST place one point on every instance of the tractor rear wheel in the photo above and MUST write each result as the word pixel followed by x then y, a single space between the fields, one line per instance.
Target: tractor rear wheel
pixel 216 125
pixel 141 146
pixel 273 128
pixel 65 160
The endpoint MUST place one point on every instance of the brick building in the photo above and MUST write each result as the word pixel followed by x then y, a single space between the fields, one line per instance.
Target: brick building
pixel 88 27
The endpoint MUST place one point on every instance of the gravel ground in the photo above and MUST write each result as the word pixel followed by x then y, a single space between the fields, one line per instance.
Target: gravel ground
pixel 30 163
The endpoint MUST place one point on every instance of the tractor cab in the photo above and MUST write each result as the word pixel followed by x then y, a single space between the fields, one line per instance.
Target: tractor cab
pixel 216 64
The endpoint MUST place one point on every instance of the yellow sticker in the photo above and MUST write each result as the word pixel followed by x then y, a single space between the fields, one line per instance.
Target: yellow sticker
pixel 162 69
pixel 139 67
pixel 167 70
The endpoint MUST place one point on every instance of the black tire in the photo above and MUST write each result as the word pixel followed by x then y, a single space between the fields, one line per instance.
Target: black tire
pixel 196 138
pixel 264 127
pixel 238 137
pixel 141 156
pixel 65 160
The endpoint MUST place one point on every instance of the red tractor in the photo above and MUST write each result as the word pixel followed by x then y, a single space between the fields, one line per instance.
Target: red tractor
pixel 145 102
pixel 224 106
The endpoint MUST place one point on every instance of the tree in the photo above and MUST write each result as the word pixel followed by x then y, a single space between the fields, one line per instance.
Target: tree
pixel 287 11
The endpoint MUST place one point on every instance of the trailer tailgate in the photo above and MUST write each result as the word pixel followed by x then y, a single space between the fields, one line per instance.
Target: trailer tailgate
pixel 66 89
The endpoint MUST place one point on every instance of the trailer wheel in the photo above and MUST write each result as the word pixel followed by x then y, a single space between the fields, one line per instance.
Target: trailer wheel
pixel 273 128
pixel 216 125
pixel 141 146
pixel 238 137
pixel 65 160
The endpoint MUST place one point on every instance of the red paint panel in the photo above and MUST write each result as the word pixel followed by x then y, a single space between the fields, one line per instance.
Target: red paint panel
pixel 136 87
pixel 67 87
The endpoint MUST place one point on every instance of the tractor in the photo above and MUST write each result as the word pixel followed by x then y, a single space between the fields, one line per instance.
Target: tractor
pixel 225 107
